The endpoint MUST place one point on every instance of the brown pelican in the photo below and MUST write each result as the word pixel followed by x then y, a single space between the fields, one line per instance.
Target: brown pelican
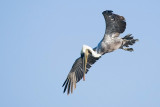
pixel 115 25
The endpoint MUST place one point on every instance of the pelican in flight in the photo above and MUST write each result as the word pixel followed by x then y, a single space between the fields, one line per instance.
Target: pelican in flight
pixel 115 25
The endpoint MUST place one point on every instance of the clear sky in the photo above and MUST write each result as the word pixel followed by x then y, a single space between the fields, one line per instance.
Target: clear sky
pixel 40 40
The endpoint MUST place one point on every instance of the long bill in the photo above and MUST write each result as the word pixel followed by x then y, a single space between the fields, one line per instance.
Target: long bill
pixel 85 63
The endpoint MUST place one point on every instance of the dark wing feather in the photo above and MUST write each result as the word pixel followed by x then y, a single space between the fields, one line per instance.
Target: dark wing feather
pixel 114 22
pixel 76 73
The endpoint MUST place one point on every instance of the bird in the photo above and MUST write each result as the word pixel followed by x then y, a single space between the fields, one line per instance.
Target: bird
pixel 111 41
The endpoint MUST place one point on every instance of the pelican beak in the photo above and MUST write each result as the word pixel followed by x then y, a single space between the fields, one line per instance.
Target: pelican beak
pixel 85 63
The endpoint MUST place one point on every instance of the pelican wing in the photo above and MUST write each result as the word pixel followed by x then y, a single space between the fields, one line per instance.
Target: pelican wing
pixel 114 23
pixel 76 73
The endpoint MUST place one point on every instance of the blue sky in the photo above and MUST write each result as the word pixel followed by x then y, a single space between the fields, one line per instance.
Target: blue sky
pixel 40 40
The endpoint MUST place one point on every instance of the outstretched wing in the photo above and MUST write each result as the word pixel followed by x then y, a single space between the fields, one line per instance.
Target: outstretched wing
pixel 76 73
pixel 114 23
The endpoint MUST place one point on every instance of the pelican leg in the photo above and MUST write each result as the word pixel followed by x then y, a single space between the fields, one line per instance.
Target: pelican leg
pixel 128 49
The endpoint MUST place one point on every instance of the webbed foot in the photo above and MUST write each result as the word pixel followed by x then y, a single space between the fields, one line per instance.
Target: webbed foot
pixel 127 41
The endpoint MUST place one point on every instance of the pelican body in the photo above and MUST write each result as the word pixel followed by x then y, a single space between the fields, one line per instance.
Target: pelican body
pixel 115 25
